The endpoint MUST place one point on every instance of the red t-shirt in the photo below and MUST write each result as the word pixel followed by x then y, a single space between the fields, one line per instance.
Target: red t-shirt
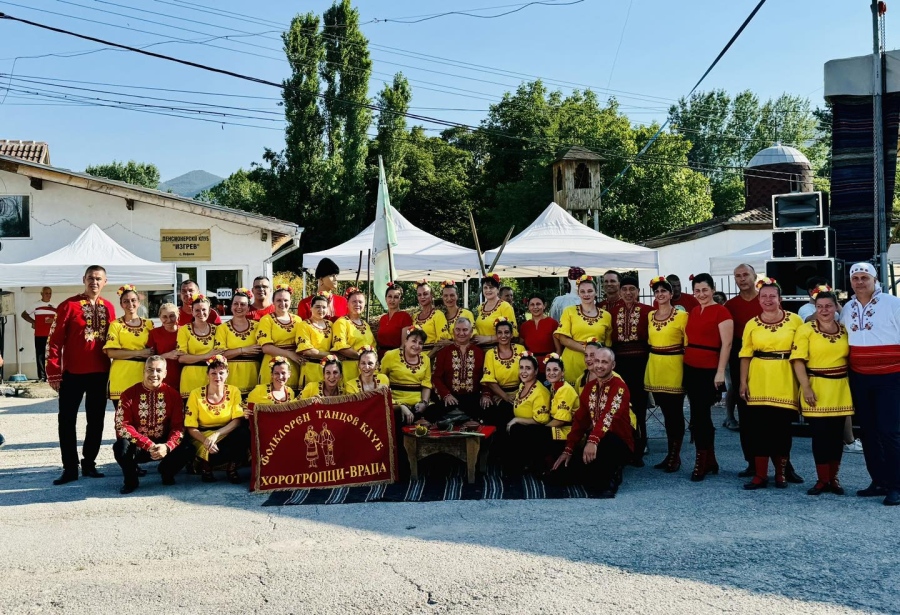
pixel 538 338
pixel 390 331
pixel 337 306
pixel 703 330
pixel 257 314
pixel 162 341
pixel 43 315
pixel 685 301
pixel 742 312
pixel 186 319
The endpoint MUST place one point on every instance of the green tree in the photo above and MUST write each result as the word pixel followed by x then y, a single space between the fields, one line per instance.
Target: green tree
pixel 239 191
pixel 138 173
pixel 391 137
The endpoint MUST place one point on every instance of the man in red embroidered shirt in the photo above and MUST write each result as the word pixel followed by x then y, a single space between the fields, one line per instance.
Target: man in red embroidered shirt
pixel 150 427
pixel 77 368
pixel 189 288
pixel 456 375
pixel 604 417
pixel 630 343
pixel 262 298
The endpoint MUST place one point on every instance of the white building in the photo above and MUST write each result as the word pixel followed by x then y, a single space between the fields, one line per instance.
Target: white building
pixel 43 208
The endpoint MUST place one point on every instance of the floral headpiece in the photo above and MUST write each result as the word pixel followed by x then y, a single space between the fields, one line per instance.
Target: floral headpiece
pixel 394 286
pixel 592 340
pixel 328 359
pixel 584 278
pixel 501 320
pixel 126 288
pixel 412 328
pixel 367 348
pixel 526 353
pixel 657 280
pixel 691 278
pixel 422 282
pixel 199 297
pixel 279 359
pixel 350 290
pixel 447 283
pixel 552 357
pixel 494 276
pixel 242 291
pixel 822 288
pixel 325 293
pixel 767 282
pixel 217 359
pixel 286 287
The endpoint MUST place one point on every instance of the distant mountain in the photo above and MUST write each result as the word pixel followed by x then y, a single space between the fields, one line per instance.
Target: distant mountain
pixel 191 184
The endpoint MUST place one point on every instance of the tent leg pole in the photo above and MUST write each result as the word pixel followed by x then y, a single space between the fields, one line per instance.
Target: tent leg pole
pixel 466 293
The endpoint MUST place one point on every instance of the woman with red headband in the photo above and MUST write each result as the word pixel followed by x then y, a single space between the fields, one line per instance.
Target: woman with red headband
pixel 394 322
pixel 489 311
pixel 278 334
pixel 665 368
pixel 768 385
pixel 820 358
pixel 581 324
pixel 352 332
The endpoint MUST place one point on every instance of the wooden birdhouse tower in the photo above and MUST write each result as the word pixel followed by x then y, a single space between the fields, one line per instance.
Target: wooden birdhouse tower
pixel 576 180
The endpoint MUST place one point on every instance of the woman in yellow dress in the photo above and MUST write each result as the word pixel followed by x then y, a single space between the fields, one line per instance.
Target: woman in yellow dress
pixel 580 324
pixel 429 319
pixel 500 377
pixel 277 333
pixel 314 340
pixel 665 368
pixel 330 385
pixel 236 341
pixel 489 311
pixel 820 354
pixel 369 379
pixel 452 310
pixel 276 392
pixel 126 344
pixel 408 371
pixel 214 421
pixel 197 342
pixel 352 332
pixel 768 385
pixel 527 429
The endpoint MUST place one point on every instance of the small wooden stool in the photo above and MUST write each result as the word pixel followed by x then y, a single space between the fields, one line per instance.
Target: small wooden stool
pixel 464 446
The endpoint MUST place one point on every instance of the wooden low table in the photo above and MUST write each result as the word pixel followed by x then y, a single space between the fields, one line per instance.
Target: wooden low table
pixel 462 445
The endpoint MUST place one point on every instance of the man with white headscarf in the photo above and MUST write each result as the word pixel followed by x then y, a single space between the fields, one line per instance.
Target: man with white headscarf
pixel 872 319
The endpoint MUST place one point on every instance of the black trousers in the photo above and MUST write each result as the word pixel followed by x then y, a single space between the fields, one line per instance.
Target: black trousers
pixel 233 449
pixel 72 389
pixel 40 356
pixel 672 406
pixel 530 447
pixel 632 370
pixel 740 406
pixel 769 430
pixel 827 438
pixel 468 405
pixel 877 403
pixel 612 454
pixel 700 387
pixel 128 456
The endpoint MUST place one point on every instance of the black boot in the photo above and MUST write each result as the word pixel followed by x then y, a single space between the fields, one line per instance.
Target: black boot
pixel 90 470
pixel 791 475
pixel 66 477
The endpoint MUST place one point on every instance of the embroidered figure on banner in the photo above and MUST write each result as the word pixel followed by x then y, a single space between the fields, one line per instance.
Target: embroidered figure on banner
pixel 312 447
pixel 326 438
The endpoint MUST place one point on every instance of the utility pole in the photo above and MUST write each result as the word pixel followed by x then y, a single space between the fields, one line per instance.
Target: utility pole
pixel 881 223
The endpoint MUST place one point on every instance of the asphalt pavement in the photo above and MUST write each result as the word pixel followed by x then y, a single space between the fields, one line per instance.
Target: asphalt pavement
pixel 664 545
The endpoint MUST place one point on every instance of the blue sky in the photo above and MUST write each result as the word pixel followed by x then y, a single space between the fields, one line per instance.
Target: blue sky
pixel 665 47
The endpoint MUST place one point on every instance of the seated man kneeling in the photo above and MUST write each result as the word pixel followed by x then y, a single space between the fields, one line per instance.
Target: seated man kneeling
pixel 150 426
pixel 604 417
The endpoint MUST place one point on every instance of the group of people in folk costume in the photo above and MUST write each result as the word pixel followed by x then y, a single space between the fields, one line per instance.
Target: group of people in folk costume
pixel 567 391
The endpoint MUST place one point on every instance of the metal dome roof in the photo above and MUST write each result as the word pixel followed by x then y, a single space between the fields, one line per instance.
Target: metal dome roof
pixel 778 154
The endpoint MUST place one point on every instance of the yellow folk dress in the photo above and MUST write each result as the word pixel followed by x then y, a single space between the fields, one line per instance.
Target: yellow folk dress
pixel 243 370
pixel 665 368
pixel 504 372
pixel 406 381
pixel 825 355
pixel 771 380
pixel 352 387
pixel 536 405
pixel 563 404
pixel 484 320
pixel 348 334
pixel 574 324
pixel 126 372
pixel 316 389
pixel 194 376
pixel 208 417
pixel 271 331
pixel 460 312
pixel 435 327
pixel 312 337
pixel 261 395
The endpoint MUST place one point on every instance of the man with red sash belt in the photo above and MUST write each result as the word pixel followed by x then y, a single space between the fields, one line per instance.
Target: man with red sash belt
pixel 604 418
pixel 78 368
pixel 872 319
pixel 630 343
pixel 456 375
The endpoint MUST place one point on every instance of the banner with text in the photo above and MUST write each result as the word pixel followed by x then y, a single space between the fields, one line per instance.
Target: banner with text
pixel 324 442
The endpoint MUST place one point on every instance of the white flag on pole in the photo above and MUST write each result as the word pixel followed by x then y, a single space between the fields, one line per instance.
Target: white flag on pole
pixel 384 240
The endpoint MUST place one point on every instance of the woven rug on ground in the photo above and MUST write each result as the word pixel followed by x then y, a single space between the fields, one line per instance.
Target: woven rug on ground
pixel 436 487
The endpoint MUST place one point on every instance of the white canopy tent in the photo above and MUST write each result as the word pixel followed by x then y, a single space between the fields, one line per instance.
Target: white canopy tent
pixel 556 241
pixel 65 267
pixel 755 255
pixel 417 255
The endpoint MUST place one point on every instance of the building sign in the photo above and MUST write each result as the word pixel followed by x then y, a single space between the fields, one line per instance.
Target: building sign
pixel 184 245
pixel 223 293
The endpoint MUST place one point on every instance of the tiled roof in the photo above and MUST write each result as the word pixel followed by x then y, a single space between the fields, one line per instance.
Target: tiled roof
pixel 576 152
pixel 32 151
pixel 752 219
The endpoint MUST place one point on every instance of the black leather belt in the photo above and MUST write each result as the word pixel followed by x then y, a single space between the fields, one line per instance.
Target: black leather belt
pixel 667 350
pixel 772 356
pixel 834 373
pixel 709 348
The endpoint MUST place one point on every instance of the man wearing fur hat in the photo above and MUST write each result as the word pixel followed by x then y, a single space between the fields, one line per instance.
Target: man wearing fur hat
pixel 326 277
pixel 872 319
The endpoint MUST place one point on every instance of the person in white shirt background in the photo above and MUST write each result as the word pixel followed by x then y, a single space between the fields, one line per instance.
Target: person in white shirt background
pixel 41 316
